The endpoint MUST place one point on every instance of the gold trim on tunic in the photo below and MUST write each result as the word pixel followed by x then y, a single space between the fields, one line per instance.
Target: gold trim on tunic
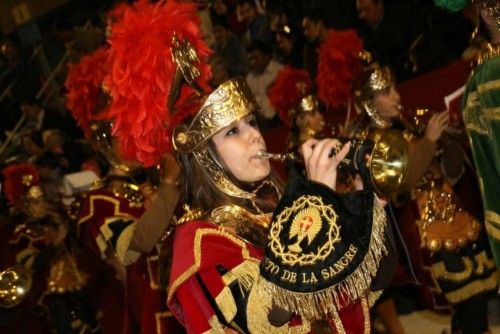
pixel 490 85
pixel 492 217
pixel 200 233
pixel 158 316
pixel 226 304
pixel 473 288
pixel 492 230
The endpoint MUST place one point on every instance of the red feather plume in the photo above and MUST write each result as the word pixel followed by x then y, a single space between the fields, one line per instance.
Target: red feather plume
pixel 141 72
pixel 83 85
pixel 187 105
pixel 117 12
pixel 339 63
pixel 17 180
pixel 290 86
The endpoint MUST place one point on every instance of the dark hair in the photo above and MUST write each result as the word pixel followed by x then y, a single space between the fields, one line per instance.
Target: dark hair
pixel 61 24
pixel 360 123
pixel 251 3
pixel 219 21
pixel 32 102
pixel 483 30
pixel 47 159
pixel 35 137
pixel 316 15
pixel 264 47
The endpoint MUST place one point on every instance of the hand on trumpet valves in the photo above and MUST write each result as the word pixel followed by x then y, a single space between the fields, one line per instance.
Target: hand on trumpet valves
pixel 321 165
pixel 437 124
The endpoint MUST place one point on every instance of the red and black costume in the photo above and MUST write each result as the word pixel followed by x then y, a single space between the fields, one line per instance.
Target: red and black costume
pixel 106 224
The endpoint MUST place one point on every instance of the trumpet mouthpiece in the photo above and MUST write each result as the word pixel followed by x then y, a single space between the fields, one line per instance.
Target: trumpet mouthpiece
pixel 263 154
pixel 276 156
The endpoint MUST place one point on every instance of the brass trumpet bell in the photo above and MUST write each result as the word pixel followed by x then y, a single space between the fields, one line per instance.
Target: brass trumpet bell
pixel 15 284
pixel 389 161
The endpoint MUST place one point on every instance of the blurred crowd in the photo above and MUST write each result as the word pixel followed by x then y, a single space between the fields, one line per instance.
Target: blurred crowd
pixel 73 287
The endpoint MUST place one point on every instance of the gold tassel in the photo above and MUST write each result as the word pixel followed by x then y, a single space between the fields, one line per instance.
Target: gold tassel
pixel 246 274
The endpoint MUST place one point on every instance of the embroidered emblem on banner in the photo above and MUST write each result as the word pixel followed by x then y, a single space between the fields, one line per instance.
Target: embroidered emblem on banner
pixel 310 217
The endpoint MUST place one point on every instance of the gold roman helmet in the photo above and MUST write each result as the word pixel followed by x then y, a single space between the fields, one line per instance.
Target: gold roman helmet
pixel 374 79
pixel 290 94
pixel 227 104
pixel 493 9
pixel 308 105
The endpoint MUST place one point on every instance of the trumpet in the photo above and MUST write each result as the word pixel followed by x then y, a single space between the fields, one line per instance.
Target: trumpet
pixel 281 157
pixel 15 284
pixel 387 161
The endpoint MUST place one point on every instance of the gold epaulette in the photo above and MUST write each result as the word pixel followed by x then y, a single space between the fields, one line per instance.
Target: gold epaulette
pixel 248 226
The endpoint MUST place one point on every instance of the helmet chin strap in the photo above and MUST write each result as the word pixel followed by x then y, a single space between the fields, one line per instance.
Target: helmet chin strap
pixel 265 182
pixel 371 110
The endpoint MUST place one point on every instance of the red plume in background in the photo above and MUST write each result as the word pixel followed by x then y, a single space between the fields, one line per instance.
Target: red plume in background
pixel 141 72
pixel 339 63
pixel 18 179
pixel 83 85
pixel 290 86
pixel 117 12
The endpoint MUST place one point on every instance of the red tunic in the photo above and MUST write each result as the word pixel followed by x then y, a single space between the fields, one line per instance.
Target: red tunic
pixel 214 283
pixel 106 225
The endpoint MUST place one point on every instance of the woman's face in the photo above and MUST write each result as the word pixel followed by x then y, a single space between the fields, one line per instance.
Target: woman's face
pixel 315 121
pixel 238 146
pixel 387 103
pixel 312 30
pixel 37 208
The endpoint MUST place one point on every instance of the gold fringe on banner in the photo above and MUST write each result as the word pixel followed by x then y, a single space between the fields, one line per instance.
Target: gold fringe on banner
pixel 314 305
pixel 246 274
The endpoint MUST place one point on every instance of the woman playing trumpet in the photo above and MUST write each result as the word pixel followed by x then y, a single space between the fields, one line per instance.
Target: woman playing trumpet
pixel 232 192
pixel 375 94
pixel 444 228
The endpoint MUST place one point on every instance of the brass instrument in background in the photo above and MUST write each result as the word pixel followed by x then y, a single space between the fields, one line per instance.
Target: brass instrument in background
pixel 387 161
pixel 15 285
pixel 415 121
